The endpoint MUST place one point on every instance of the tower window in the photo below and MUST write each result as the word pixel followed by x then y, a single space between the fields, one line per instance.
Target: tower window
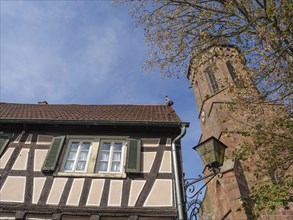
pixel 238 82
pixel 212 81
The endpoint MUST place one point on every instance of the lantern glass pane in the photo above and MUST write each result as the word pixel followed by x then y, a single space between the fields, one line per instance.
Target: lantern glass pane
pixel 211 151
pixel 206 152
pixel 201 150
pixel 219 152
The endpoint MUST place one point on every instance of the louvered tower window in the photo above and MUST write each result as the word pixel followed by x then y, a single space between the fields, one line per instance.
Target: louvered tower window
pixel 238 82
pixel 214 87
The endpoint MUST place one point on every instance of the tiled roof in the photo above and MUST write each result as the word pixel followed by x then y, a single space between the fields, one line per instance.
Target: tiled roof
pixel 74 112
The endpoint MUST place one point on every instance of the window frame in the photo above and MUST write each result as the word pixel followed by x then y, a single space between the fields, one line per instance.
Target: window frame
pixel 110 161
pixel 65 158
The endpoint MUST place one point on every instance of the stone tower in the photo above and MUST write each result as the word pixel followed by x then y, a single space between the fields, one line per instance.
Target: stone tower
pixel 212 75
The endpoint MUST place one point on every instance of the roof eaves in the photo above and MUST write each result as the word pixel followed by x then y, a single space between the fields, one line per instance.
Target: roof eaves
pixel 96 122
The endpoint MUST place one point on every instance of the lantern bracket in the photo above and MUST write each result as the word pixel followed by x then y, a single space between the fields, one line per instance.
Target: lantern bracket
pixel 193 202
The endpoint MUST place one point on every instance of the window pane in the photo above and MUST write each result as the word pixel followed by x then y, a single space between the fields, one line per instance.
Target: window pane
pixel 106 146
pixel 80 166
pixel 103 166
pixel 105 156
pixel 117 156
pixel 117 146
pixel 115 167
pixel 74 146
pixel 71 155
pixel 68 165
pixel 86 146
pixel 83 155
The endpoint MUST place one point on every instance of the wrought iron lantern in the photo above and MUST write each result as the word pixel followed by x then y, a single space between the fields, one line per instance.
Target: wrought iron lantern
pixel 212 152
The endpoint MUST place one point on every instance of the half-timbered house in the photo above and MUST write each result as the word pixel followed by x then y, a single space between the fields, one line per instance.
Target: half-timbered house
pixel 89 162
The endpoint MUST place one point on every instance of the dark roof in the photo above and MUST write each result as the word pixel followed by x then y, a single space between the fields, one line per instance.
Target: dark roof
pixel 98 114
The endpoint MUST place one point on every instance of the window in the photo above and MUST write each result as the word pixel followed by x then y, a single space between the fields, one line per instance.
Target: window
pixel 214 87
pixel 93 156
pixel 110 156
pixel 77 156
pixel 238 81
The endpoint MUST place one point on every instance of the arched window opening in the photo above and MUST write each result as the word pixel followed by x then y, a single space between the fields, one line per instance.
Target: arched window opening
pixel 222 210
pixel 214 87
pixel 238 81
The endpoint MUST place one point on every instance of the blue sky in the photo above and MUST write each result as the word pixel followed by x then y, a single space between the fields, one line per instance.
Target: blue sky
pixel 85 52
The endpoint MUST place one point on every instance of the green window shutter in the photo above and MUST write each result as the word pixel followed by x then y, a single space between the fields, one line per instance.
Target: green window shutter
pixel 133 155
pixel 53 155
pixel 4 139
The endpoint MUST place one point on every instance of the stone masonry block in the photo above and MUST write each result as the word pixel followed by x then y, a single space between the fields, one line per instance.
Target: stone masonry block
pixel 234 194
